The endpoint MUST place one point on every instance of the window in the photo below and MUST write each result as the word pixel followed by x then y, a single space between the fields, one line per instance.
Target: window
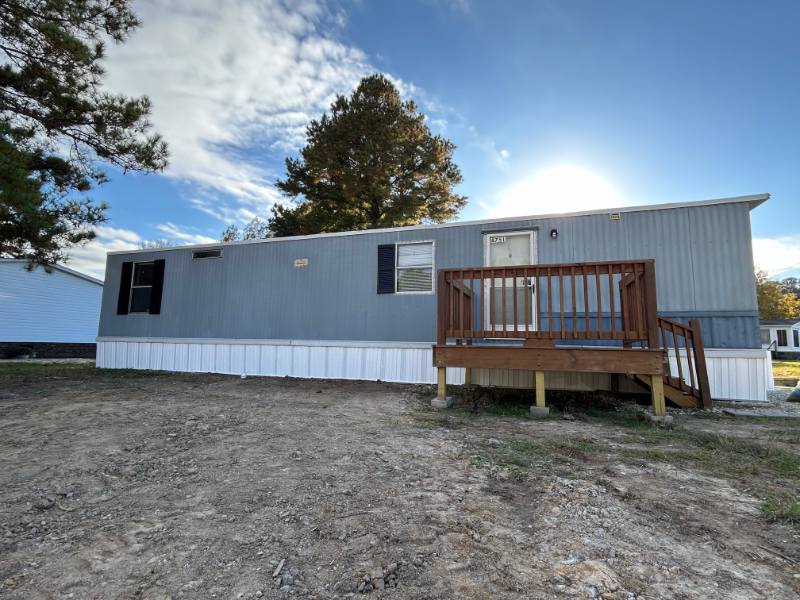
pixel 208 253
pixel 406 268
pixel 796 336
pixel 140 287
pixel 414 270
pixel 782 338
pixel 765 339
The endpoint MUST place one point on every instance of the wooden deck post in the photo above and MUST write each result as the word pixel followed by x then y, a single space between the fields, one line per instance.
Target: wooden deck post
pixel 615 383
pixel 651 305
pixel 657 394
pixel 441 400
pixel 442 391
pixel 441 310
pixel 468 370
pixel 540 388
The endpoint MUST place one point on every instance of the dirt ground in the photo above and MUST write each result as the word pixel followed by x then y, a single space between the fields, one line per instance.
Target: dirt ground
pixel 119 484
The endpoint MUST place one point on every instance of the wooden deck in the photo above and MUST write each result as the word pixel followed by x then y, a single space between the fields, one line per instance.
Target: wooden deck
pixel 609 306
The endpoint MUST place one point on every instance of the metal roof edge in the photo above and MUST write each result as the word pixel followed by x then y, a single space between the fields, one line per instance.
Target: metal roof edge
pixel 753 201
pixel 59 268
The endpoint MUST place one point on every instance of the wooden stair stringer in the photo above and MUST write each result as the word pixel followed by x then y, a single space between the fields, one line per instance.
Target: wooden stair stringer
pixel 673 394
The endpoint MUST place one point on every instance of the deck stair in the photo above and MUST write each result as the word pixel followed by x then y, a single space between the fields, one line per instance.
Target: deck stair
pixel 687 382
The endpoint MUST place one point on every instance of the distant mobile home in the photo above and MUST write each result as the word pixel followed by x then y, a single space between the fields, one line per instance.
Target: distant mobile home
pixel 56 314
pixel 781 336
pixel 372 304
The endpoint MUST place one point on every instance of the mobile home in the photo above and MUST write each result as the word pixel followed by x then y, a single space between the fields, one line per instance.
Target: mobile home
pixel 781 336
pixel 54 314
pixel 570 301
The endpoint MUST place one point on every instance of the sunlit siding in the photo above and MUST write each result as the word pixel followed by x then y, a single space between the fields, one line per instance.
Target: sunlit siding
pixel 36 306
pixel 703 267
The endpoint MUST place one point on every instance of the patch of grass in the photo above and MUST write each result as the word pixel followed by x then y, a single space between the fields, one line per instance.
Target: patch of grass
pixel 785 369
pixel 444 419
pixel 786 436
pixel 781 462
pixel 15 443
pixel 514 470
pixel 719 453
pixel 516 410
pixel 525 452
pixel 627 416
pixel 781 507
pixel 523 457
pixel 32 372
pixel 574 448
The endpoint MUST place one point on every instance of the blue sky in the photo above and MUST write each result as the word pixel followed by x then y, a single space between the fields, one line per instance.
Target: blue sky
pixel 554 106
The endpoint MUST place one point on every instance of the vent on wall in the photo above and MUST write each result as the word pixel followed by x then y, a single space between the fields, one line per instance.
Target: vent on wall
pixel 209 253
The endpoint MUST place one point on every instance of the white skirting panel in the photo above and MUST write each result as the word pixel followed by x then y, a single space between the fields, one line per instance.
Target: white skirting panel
pixel 407 364
pixel 733 374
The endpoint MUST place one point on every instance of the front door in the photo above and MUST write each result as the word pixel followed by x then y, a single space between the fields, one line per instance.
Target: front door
pixel 507 250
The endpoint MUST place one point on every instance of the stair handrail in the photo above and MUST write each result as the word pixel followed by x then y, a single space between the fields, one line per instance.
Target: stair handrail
pixel 694 350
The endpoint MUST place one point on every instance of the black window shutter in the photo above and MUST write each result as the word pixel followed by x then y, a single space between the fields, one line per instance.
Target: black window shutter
pixel 386 269
pixel 124 299
pixel 158 287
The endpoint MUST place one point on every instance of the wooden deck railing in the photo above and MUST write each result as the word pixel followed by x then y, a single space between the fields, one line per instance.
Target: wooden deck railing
pixel 690 361
pixel 613 301
pixel 582 301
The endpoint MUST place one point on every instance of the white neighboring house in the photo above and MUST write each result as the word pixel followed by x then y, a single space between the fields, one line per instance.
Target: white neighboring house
pixel 56 313
pixel 781 336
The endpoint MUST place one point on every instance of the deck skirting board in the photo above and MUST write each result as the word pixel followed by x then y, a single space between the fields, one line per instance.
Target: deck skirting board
pixel 733 374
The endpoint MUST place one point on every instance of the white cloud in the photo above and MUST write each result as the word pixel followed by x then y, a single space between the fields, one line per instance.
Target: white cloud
pixel 111 233
pixel 91 258
pixel 555 190
pixel 234 86
pixel 178 233
pixel 777 255
pixel 234 76
pixel 504 154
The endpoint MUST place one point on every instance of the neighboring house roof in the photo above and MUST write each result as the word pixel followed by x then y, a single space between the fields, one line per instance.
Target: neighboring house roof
pixel 753 201
pixel 779 322
pixel 58 268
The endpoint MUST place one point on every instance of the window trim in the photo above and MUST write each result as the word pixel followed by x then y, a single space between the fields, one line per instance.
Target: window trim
pixel 433 267
pixel 135 287
pixel 221 250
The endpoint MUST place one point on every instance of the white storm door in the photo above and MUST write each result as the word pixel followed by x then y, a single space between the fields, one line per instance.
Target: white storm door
pixel 509 250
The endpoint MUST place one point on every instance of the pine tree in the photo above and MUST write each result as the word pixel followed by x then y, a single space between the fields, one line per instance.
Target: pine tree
pixel 371 163
pixel 57 125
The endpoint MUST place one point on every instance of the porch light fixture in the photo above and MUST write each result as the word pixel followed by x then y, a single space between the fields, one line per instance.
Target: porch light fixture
pixel 554 233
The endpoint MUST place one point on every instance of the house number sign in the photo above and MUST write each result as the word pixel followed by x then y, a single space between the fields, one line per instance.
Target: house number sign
pixel 497 239
pixel 301 262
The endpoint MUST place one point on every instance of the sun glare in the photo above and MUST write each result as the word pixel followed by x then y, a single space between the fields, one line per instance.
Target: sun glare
pixel 557 190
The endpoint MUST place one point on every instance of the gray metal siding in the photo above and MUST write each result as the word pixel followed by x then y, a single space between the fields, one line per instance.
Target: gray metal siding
pixel 703 263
